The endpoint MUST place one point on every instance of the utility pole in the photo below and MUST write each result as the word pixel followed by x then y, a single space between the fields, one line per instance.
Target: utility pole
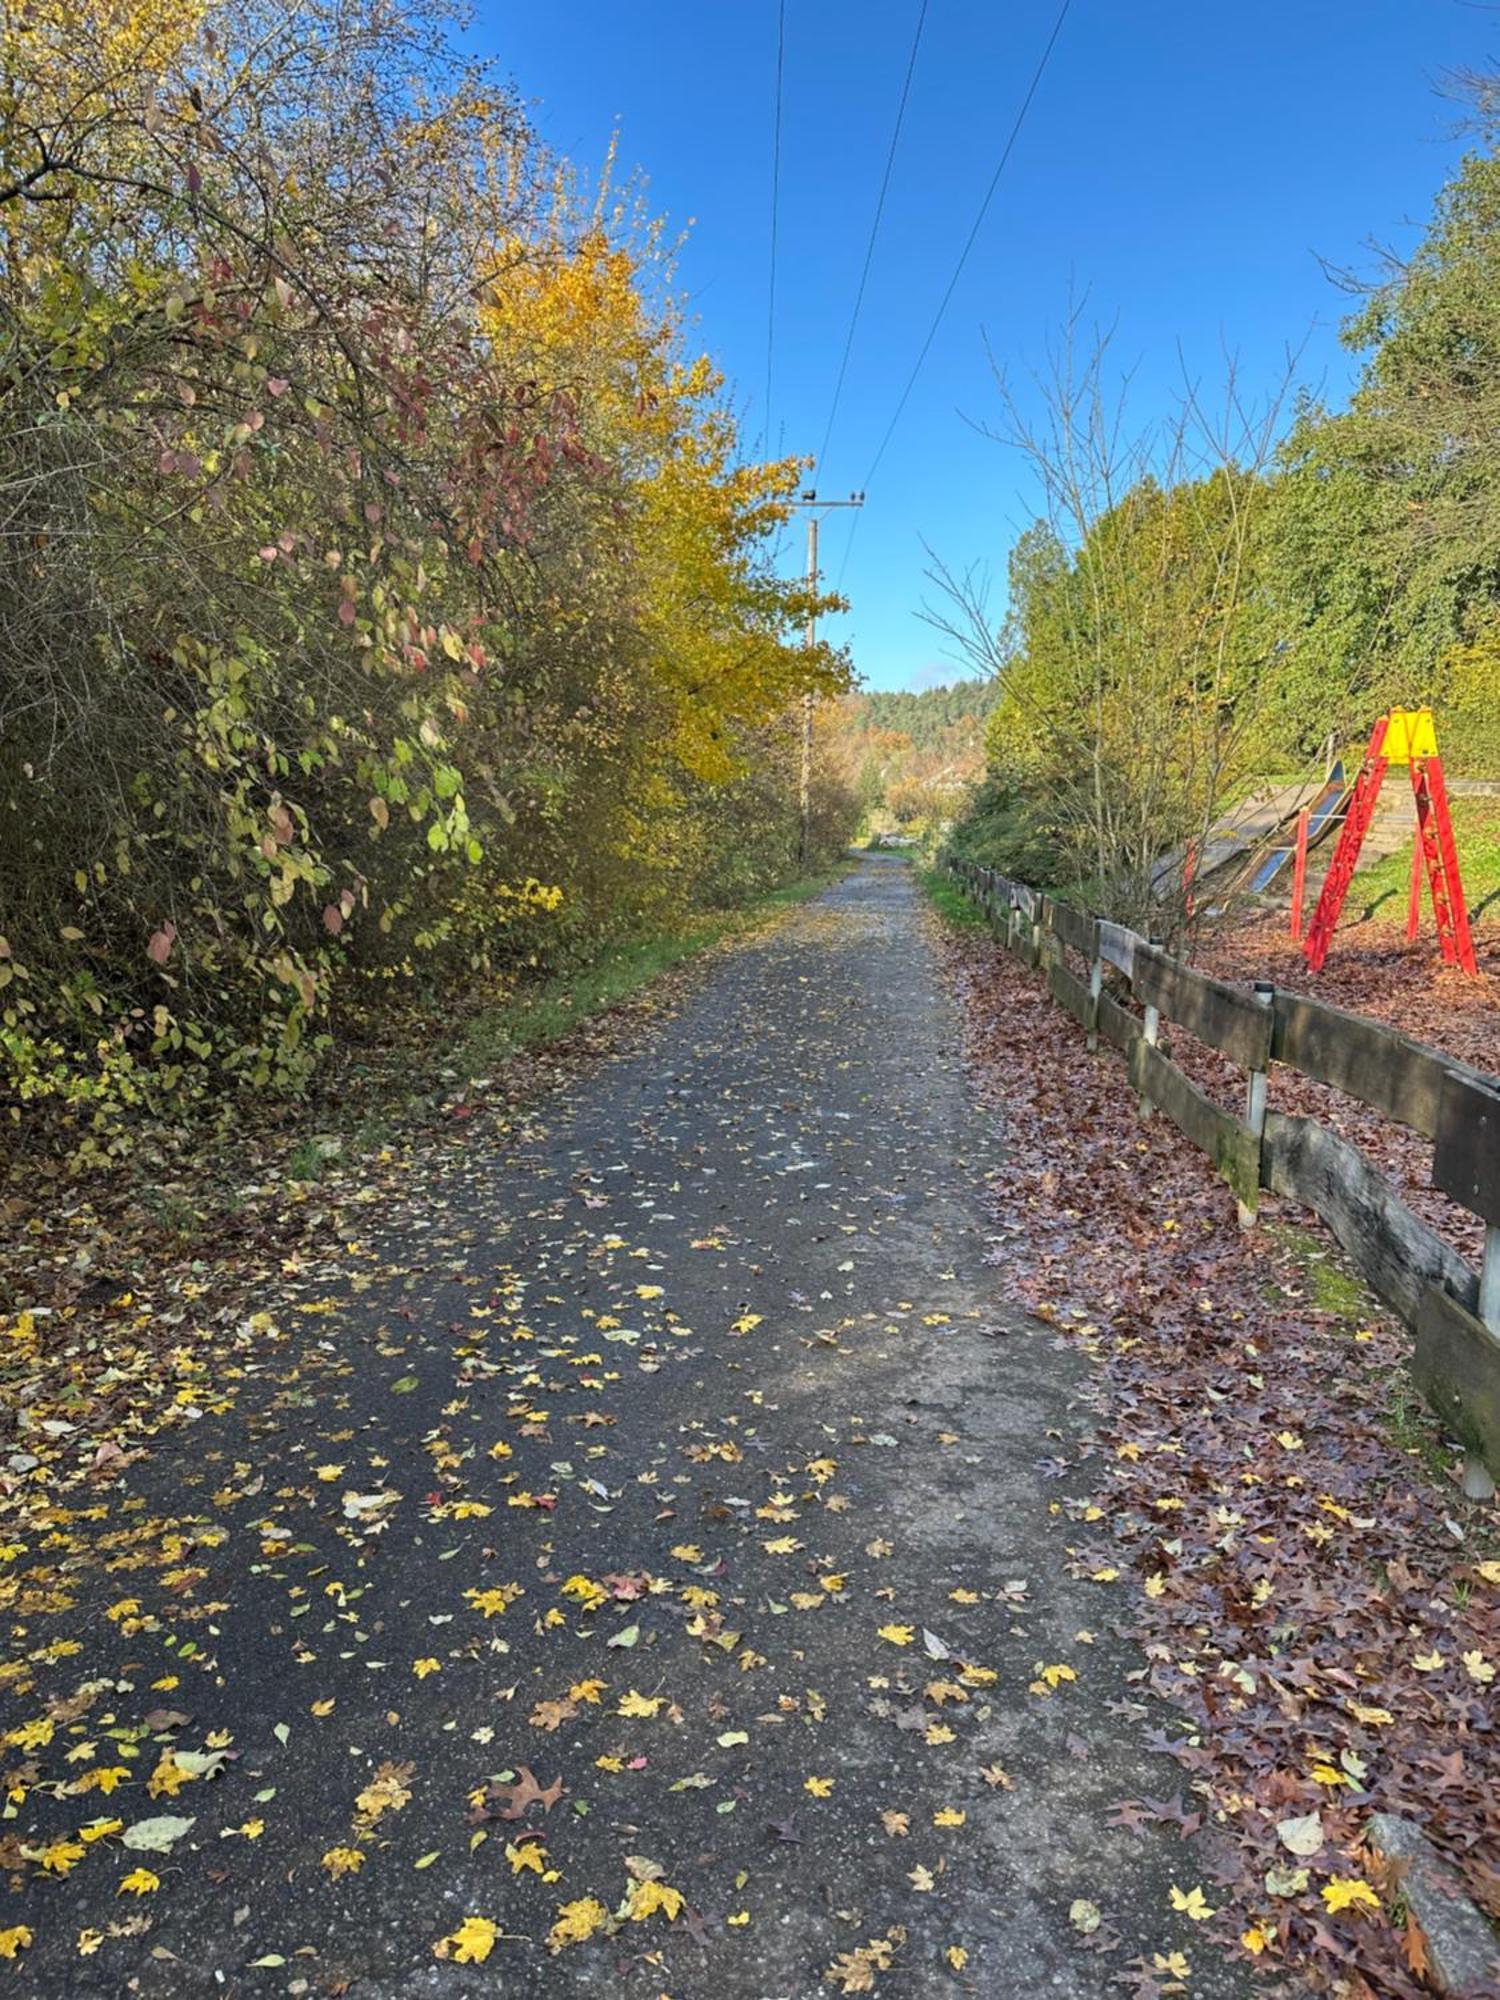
pixel 814 507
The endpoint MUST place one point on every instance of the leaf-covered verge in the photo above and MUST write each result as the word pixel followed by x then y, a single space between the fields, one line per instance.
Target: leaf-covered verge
pixel 1265 1505
pixel 190 1202
pixel 386 602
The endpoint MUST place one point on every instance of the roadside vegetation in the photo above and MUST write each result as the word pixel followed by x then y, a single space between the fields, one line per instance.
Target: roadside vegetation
pixel 386 593
pixel 1229 590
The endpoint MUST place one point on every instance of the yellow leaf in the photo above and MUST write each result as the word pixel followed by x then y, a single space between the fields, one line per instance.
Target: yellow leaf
pixel 957 1957
pixel 324 1707
pixel 14 1940
pixel 948 1816
pixel 897 1635
pixel 139 1882
pixel 471 1943
pixel 921 1879
pixel 576 1922
pixel 587 1690
pixel 646 1898
pixel 532 1854
pixel 1192 1904
pixel 422 1668
pixel 821 1788
pixel 739 1919
pixel 343 1861
pixel 639 1704
pixel 169 1777
pixel 1349 1892
pixel 1256 1939
pixel 59 1856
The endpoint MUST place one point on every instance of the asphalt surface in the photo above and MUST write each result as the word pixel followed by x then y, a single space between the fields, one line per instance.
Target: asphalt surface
pixel 675 1452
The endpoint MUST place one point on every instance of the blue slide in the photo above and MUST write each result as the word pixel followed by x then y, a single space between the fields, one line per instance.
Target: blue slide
pixel 1325 809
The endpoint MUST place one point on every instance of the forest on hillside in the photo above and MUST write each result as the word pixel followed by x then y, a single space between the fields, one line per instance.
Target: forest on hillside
pixel 1218 594
pixel 386 594
pixel 908 758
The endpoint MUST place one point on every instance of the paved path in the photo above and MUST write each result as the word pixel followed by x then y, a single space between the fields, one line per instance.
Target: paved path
pixel 678 1455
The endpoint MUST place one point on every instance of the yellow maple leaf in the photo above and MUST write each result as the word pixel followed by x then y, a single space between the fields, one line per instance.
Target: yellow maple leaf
pixel 1256 1939
pixel 646 1898
pixel 948 1816
pixel 490 1602
pixel 100 1829
pixel 422 1668
pixel 739 1919
pixel 471 1943
pixel 688 1552
pixel 587 1690
pixel 576 1922
pixel 1349 1892
pixel 639 1704
pixel 821 1788
pixel 896 1635
pixel 531 1854
pixel 139 1882
pixel 343 1861
pixel 957 1957
pixel 59 1856
pixel 169 1777
pixel 14 1940
pixel 588 1593
pixel 1192 1904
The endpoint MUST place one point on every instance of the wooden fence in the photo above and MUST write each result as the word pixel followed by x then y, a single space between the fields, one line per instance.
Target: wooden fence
pixel 1453 1310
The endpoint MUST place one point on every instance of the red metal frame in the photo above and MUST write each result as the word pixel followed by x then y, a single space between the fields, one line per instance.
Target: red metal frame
pixel 1414 900
pixel 1435 846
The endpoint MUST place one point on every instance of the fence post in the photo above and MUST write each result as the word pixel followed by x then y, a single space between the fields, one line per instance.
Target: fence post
pixel 1096 987
pixel 1150 1032
pixel 1489 1278
pixel 1255 1114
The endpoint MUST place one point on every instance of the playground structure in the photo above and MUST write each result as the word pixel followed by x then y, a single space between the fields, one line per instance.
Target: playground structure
pixel 1404 736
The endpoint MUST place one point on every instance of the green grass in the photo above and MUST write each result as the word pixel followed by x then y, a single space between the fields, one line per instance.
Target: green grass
pixel 950 902
pixel 1476 827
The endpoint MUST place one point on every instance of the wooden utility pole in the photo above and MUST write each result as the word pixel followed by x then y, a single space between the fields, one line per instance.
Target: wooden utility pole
pixel 814 507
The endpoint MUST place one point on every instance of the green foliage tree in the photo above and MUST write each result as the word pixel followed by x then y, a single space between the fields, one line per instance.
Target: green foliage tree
pixel 1384 564
pixel 382 589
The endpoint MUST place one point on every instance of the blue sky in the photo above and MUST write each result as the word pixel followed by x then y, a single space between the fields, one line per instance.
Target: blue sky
pixel 1185 164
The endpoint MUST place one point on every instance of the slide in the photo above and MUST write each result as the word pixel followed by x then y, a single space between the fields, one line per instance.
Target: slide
pixel 1323 814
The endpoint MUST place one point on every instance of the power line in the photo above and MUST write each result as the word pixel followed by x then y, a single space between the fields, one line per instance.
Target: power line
pixel 969 245
pixel 864 276
pixel 775 217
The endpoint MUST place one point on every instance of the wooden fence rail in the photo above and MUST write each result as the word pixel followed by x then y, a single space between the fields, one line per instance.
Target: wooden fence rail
pixel 1453 1310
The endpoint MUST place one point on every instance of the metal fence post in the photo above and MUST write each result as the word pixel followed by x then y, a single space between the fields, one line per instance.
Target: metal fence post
pixel 1255 1114
pixel 1096 987
pixel 1150 1032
